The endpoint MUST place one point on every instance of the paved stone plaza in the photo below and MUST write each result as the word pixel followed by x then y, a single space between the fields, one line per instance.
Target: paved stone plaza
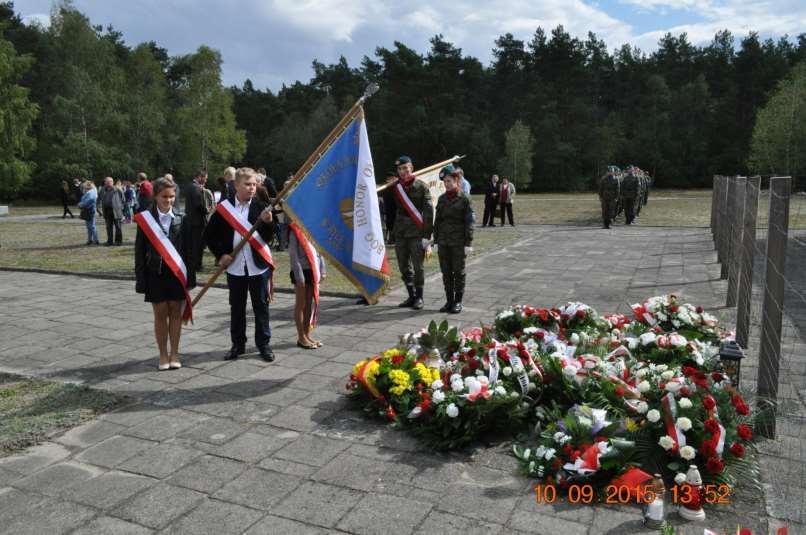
pixel 249 447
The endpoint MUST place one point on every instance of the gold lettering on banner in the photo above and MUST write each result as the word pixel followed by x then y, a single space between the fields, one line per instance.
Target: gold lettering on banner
pixel 334 236
pixel 334 168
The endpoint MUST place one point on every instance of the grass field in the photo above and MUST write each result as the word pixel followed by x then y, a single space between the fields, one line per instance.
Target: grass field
pixel 31 410
pixel 57 245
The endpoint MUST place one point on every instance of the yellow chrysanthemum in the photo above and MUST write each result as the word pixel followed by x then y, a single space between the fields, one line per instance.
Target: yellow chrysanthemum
pixel 372 371
pixel 434 374
pixel 389 354
pixel 630 425
pixel 401 380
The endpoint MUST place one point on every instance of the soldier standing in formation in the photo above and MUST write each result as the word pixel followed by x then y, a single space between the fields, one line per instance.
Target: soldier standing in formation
pixel 412 230
pixel 453 234
pixel 629 193
pixel 609 187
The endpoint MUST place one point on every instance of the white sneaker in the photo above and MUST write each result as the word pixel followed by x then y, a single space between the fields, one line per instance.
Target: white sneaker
pixel 163 367
pixel 175 365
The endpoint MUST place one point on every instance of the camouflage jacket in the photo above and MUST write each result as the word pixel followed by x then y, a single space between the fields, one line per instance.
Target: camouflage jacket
pixel 609 187
pixel 454 221
pixel 421 198
pixel 630 186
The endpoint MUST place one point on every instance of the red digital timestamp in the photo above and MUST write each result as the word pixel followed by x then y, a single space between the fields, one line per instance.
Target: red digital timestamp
pixel 623 494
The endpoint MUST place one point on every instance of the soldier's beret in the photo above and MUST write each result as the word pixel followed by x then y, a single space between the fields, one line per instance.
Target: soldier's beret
pixel 447 170
pixel 402 160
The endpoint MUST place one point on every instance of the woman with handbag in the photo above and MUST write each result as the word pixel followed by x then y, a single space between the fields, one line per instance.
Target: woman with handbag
pixel 163 270
pixel 87 206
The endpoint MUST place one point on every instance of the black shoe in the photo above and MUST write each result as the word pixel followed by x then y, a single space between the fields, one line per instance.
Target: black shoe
pixel 418 299
pixel 266 353
pixel 108 244
pixel 234 353
pixel 446 307
pixel 456 308
pixel 362 301
pixel 410 301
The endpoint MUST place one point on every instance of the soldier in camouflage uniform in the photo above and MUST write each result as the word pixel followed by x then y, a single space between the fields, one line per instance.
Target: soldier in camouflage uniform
pixel 641 191
pixel 629 194
pixel 608 195
pixel 453 234
pixel 413 227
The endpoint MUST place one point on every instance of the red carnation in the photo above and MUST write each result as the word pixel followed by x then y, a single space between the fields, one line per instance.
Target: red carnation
pixel 390 413
pixel 517 334
pixel 685 391
pixel 540 335
pixel 717 377
pixel 688 371
pixel 503 354
pixel 709 402
pixel 737 449
pixel 714 465
pixel 745 432
pixel 740 405
pixel 662 385
pixel 619 392
pixel 473 363
pixel 580 314
pixel 398 359
pixel 564 317
pixel 673 308
pixel 700 310
pixel 472 352
pixel 712 425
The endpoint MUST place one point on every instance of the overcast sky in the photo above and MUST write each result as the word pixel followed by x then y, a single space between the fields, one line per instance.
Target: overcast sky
pixel 274 41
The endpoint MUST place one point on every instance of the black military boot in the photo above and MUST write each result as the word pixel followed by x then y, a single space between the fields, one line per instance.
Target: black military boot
pixel 448 298
pixel 456 308
pixel 418 299
pixel 410 301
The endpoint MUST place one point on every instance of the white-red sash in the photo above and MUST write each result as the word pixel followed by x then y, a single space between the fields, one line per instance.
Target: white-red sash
pixel 312 260
pixel 242 226
pixel 159 240
pixel 412 210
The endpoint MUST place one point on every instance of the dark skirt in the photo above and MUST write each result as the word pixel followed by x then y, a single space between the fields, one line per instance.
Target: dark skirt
pixel 163 287
pixel 308 277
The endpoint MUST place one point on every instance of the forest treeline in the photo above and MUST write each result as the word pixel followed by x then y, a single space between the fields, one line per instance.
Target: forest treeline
pixel 552 112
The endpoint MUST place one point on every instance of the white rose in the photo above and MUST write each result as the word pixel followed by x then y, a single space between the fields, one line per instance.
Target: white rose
pixel 500 391
pixel 437 385
pixel 457 386
pixel 513 394
pixel 666 442
pixel 653 415
pixel 687 453
pixel 632 343
pixel 673 387
pixel 684 423
pixel 570 372
pixel 575 339
pixel 684 403
pixel 642 407
pixel 452 411
pixel 549 454
pixel 456 377
pixel 518 368
pixel 641 373
pixel 507 371
pixel 661 367
pixel 438 396
pixel 558 437
pixel 532 386
pixel 667 375
pixel 644 386
pixel 680 478
pixel 662 316
pixel 647 338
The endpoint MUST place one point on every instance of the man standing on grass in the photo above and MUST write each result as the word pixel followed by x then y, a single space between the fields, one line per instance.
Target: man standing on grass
pixel 111 202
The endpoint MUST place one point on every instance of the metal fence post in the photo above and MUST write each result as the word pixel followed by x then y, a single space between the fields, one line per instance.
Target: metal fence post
pixel 714 191
pixel 773 307
pixel 748 247
pixel 725 230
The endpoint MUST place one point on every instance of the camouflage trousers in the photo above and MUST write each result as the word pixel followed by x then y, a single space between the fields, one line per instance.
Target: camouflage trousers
pixel 608 211
pixel 452 265
pixel 410 257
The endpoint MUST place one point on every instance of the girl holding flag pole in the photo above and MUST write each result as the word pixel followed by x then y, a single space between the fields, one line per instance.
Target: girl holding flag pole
pixel 307 271
pixel 163 269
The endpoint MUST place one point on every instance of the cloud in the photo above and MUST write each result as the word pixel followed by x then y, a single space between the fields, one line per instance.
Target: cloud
pixel 274 41
pixel 41 19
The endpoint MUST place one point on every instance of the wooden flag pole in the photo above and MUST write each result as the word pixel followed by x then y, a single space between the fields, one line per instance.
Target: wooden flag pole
pixel 422 172
pixel 306 166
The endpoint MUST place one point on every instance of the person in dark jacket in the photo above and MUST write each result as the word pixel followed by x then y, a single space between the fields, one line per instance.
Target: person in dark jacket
pixel 196 213
pixel 110 201
pixel 156 280
pixel 145 192
pixel 248 272
pixel 490 202
pixel 64 192
pixel 453 234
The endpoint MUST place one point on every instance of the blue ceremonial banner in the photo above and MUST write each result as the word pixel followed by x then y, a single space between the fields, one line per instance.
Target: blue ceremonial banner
pixel 336 206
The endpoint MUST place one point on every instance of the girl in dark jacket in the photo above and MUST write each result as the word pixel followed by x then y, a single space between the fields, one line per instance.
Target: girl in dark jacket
pixel 65 194
pixel 155 278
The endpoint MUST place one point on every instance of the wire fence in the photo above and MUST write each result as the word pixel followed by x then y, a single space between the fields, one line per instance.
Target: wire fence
pixel 763 259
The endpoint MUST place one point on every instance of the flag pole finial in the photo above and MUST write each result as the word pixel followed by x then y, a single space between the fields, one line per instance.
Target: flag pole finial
pixel 369 91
